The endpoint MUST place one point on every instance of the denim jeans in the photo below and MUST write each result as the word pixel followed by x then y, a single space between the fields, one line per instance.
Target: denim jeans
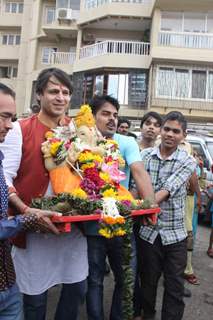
pixel 72 296
pixel 11 304
pixel 98 249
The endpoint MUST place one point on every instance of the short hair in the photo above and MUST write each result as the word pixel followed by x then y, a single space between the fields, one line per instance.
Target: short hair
pixel 151 114
pixel 6 90
pixel 45 75
pixel 122 120
pixel 176 116
pixel 35 108
pixel 97 102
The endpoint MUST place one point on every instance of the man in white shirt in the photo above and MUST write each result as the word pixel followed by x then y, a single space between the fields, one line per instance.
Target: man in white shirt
pixel 43 260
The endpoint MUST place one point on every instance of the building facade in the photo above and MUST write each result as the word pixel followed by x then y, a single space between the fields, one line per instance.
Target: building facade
pixel 150 54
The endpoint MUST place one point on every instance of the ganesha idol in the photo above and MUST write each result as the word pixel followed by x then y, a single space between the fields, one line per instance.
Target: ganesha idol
pixel 83 163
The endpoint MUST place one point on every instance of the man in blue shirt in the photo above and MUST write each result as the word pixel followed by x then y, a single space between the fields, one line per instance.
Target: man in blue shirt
pixel 105 110
pixel 10 299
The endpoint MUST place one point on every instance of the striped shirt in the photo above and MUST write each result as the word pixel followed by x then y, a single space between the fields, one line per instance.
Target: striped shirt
pixel 169 174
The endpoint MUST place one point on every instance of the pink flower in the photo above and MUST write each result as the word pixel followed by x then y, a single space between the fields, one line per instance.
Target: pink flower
pixel 115 174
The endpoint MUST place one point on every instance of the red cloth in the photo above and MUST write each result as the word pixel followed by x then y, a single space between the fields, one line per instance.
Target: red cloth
pixel 32 177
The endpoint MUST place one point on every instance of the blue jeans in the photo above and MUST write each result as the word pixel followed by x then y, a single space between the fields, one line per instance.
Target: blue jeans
pixel 11 304
pixel 72 296
pixel 98 249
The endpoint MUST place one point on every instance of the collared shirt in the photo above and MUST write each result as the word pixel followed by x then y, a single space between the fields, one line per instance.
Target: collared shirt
pixel 169 174
pixel 8 228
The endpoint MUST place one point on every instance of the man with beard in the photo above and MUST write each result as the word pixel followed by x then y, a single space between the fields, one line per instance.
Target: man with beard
pixel 163 246
pixel 43 260
pixel 105 110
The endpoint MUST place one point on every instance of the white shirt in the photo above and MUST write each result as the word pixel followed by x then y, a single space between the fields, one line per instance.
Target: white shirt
pixel 48 259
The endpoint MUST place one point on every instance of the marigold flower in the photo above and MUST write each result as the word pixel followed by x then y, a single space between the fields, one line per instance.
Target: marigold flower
pixel 109 193
pixel 49 134
pixel 119 232
pixel 54 147
pixel 105 233
pixel 105 176
pixel 120 220
pixel 79 193
pixel 109 220
pixel 87 166
pixel 85 117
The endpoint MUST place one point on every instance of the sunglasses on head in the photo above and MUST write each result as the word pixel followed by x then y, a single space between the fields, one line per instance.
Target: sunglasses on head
pixel 175 131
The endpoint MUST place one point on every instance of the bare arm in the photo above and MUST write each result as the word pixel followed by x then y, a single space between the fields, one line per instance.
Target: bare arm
pixel 195 188
pixel 161 195
pixel 142 180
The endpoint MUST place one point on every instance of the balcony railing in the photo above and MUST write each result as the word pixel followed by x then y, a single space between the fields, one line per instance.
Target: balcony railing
pixel 185 40
pixel 88 4
pixel 115 47
pixel 62 57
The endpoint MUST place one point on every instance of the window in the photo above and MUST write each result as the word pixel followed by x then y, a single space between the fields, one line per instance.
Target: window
pixel 181 83
pixel 194 22
pixel 99 85
pixel 49 15
pixel 118 87
pixel 171 21
pixel 184 83
pixel 46 55
pixel 210 23
pixel 8 72
pixel 210 85
pixel 187 22
pixel 14 7
pixel 128 88
pixel 138 89
pixel 11 39
pixel 198 84
pixel 165 81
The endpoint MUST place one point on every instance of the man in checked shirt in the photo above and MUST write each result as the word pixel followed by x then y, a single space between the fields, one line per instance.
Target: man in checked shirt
pixel 10 299
pixel 163 246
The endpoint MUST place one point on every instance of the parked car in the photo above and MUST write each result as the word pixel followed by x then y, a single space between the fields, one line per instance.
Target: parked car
pixel 204 147
pixel 203 144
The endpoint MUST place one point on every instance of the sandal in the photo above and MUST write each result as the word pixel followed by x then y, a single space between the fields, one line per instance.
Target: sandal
pixel 192 279
pixel 210 253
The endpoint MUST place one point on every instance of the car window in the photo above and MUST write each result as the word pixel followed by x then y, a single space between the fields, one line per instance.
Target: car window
pixel 197 147
pixel 210 148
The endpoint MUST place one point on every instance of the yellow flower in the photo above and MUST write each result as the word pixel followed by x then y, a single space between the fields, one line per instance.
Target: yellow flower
pixel 54 147
pixel 105 176
pixel 85 156
pixel 85 117
pixel 110 141
pixel 105 233
pixel 109 193
pixel 125 198
pixel 119 232
pixel 120 220
pixel 49 134
pixel 121 162
pixel 89 156
pixel 97 158
pixel 79 193
pixel 87 166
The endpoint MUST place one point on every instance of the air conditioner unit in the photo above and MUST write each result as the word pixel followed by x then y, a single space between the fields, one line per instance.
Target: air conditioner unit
pixel 64 14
